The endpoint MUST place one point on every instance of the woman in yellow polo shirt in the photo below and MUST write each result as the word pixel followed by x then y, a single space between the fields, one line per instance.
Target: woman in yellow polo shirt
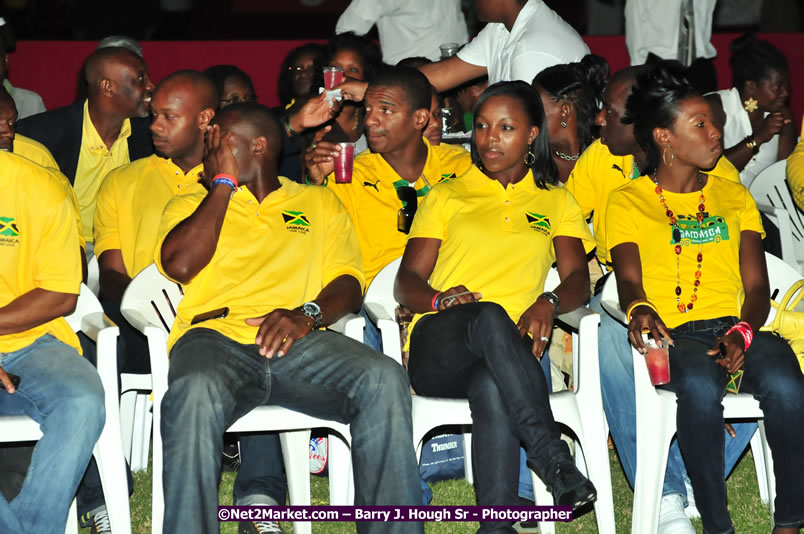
pixel 485 241
pixel 683 243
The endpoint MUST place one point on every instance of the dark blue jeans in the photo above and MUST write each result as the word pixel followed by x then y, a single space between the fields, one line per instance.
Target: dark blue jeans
pixel 213 381
pixel 772 375
pixel 474 351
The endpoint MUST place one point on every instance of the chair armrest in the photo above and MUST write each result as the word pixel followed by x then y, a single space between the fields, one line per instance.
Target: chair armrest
pixel 613 309
pixel 377 312
pixel 349 325
pixel 136 319
pixel 573 319
pixel 93 323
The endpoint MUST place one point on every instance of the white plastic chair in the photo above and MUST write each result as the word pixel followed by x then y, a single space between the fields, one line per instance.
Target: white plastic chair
pixel 150 304
pixel 93 275
pixel 773 198
pixel 656 418
pixel 580 410
pixel 108 451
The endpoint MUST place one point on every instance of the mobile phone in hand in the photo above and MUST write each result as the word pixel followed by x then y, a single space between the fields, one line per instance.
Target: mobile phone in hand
pixel 14 379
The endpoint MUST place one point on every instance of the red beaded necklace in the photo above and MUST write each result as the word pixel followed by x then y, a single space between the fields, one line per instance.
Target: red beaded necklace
pixel 677 243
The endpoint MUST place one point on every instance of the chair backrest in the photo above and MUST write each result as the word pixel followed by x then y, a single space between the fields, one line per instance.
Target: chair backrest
pixel 93 274
pixel 770 187
pixel 780 275
pixel 87 303
pixel 153 296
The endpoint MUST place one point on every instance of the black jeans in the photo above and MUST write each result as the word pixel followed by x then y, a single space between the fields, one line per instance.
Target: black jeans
pixel 474 351
pixel 772 375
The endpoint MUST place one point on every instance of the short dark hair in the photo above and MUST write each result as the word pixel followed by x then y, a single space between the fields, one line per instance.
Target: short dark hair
pixel 414 85
pixel 220 73
pixel 654 103
pixel 285 82
pixel 202 84
pixel 415 61
pixel 364 47
pixel 544 168
pixel 754 60
pixel 261 119
pixel 582 84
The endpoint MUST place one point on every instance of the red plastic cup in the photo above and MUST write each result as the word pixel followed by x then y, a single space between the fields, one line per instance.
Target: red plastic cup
pixel 344 163
pixel 658 360
pixel 333 76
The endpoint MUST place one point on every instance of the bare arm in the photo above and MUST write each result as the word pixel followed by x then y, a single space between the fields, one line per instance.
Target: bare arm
pixel 113 276
pixel 572 292
pixel 280 328
pixel 628 269
pixel 34 308
pixel 411 288
pixel 787 137
pixel 451 72
pixel 189 247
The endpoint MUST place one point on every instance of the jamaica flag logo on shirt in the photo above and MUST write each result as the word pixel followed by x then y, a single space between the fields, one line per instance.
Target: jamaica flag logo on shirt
pixel 296 221
pixel 538 222
pixel 9 233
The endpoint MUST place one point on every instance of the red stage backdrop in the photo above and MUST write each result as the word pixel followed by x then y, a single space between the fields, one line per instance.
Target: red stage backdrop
pixel 51 67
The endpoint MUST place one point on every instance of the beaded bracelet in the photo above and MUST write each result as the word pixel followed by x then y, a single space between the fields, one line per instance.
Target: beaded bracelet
pixel 744 329
pixel 636 304
pixel 435 302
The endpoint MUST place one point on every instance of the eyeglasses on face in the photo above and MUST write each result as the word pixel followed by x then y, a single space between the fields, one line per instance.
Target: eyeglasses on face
pixel 237 99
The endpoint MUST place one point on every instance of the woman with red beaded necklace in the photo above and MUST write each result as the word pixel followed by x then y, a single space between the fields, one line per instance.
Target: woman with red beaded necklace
pixel 683 244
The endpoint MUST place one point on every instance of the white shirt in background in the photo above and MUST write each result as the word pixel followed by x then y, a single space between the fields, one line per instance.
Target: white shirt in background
pixel 407 28
pixel 539 39
pixel 653 26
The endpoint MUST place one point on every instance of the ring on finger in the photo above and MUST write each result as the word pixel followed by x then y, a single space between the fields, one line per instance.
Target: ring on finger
pixel 312 147
pixel 545 339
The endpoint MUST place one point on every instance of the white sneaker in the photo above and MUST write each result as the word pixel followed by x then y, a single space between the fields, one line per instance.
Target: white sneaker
pixel 672 519
pixel 692 510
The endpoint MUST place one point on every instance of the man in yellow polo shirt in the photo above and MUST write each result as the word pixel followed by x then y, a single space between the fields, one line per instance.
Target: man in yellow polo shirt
pixel 40 278
pixel 610 162
pixel 397 112
pixel 795 172
pixel 263 266
pixel 109 129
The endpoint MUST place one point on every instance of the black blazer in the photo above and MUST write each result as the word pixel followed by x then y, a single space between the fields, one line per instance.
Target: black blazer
pixel 60 131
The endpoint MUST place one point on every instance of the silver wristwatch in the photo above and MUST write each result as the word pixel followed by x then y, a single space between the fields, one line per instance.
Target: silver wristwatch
pixel 552 298
pixel 312 310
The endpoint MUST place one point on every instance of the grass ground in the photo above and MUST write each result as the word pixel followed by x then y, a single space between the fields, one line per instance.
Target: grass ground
pixel 748 512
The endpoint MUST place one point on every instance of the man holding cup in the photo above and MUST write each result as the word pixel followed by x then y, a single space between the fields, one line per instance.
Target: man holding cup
pixel 397 105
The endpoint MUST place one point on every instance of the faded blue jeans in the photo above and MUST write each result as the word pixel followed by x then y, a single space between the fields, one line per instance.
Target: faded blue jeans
pixel 213 381
pixel 62 392
pixel 619 403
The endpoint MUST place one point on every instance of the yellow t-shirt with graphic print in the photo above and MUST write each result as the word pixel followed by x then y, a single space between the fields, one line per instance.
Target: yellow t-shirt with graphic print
pixel 38 244
pixel 598 172
pixel 496 240
pixel 635 216
pixel 276 254
pixel 372 202
pixel 39 154
pixel 130 204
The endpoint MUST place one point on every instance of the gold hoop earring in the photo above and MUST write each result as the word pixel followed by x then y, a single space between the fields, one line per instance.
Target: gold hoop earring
pixel 750 105
pixel 530 158
pixel 664 156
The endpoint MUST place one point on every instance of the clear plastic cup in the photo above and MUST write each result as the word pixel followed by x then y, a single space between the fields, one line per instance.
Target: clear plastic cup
pixel 448 50
pixel 344 163
pixel 333 76
pixel 658 360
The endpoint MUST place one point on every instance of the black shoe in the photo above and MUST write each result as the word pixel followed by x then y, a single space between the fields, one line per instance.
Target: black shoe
pixel 259 527
pixel 569 486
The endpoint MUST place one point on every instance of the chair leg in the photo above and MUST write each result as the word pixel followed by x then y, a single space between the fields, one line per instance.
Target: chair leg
pixel 296 453
pixel 770 477
pixel 595 452
pixel 127 406
pixel 467 455
pixel 112 470
pixel 72 519
pixel 759 465
pixel 339 466
pixel 653 448
pixel 138 433
pixel 542 497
